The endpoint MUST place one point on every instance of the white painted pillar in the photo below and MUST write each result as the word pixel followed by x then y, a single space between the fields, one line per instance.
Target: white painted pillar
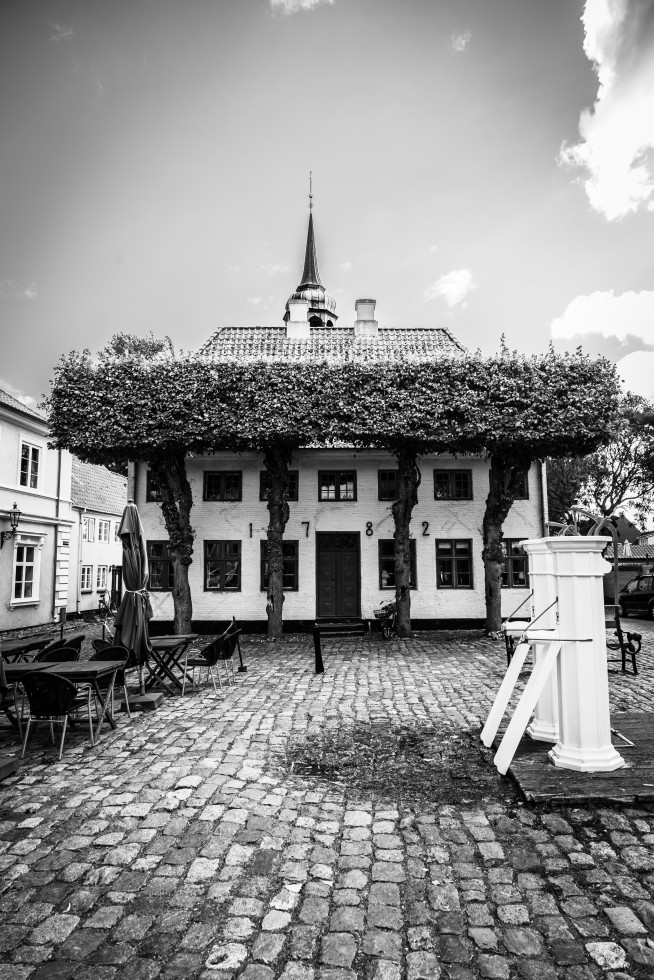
pixel 584 719
pixel 544 726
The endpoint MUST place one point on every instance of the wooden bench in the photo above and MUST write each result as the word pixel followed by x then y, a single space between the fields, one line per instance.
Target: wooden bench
pixel 342 629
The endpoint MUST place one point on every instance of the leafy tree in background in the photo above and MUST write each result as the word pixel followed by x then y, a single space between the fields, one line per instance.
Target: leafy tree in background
pixel 131 403
pixel 617 475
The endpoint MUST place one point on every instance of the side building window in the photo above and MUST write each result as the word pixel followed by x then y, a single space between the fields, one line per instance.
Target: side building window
pixel 514 572
pixel 337 485
pixel 264 485
pixel 101 578
pixel 222 566
pixel 290 551
pixel 30 458
pixel 387 484
pixel 26 584
pixel 87 577
pixel 160 564
pixel 104 528
pixel 454 564
pixel 88 529
pixel 387 563
pixel 152 492
pixel 453 484
pixel 222 486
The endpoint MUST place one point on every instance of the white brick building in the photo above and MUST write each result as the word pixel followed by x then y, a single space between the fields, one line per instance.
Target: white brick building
pixel 339 538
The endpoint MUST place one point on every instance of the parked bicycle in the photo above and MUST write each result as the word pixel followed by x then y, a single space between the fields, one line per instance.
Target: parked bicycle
pixel 387 616
pixel 106 603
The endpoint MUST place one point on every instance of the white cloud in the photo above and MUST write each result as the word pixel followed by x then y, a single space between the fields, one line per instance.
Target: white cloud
pixel 255 300
pixel 11 289
pixel 233 268
pixel 62 32
pixel 637 372
pixel 617 135
pixel 293 6
pixel 459 42
pixel 627 315
pixel 19 394
pixel 433 248
pixel 454 286
pixel 274 269
pixel 346 266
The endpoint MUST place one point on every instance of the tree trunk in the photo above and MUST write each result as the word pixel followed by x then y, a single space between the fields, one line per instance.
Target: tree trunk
pixel 408 481
pixel 170 477
pixel 505 477
pixel 277 461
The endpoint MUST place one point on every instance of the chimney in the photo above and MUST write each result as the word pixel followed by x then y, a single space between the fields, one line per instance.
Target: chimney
pixel 297 326
pixel 365 324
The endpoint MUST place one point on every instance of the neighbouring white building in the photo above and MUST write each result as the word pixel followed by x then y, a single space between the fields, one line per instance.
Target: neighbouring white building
pixel 339 538
pixel 98 498
pixel 65 548
pixel 35 561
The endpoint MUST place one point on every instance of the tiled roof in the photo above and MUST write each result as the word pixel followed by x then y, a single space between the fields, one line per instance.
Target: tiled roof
pixel 9 400
pixel 331 344
pixel 639 552
pixel 97 488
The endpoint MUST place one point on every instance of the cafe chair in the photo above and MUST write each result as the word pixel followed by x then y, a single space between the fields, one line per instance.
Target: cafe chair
pixel 53 699
pixel 72 641
pixel 112 652
pixel 62 655
pixel 9 706
pixel 204 658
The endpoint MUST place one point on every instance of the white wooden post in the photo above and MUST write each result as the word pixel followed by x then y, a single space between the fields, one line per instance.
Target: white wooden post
pixel 544 726
pixel 584 718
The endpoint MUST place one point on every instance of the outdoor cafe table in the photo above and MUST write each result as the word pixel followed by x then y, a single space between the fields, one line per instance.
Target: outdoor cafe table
pixel 13 650
pixel 15 673
pixel 90 672
pixel 167 652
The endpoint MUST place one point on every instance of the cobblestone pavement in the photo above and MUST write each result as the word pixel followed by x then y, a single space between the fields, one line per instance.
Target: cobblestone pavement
pixel 188 843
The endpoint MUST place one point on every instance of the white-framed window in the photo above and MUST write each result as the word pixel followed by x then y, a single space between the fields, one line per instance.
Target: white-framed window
pixel 88 529
pixel 104 527
pixel 87 578
pixel 30 463
pixel 101 577
pixel 27 569
pixel 116 529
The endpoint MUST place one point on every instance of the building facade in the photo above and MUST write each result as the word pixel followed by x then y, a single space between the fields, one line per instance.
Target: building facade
pixel 98 500
pixel 339 538
pixel 35 562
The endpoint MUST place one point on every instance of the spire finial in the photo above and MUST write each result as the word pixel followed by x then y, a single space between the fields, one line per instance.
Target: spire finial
pixel 310 191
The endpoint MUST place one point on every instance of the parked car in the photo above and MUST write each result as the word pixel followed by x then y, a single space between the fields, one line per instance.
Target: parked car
pixel 637 597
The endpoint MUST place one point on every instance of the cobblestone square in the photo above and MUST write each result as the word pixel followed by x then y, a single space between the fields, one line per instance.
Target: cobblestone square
pixel 319 828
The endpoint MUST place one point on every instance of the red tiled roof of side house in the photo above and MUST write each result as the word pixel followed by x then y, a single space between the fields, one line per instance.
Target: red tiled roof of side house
pixel 12 402
pixel 97 488
pixel 338 344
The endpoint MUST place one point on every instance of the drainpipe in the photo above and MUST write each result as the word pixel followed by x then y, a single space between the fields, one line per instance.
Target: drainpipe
pixel 543 496
pixel 56 539
pixel 78 591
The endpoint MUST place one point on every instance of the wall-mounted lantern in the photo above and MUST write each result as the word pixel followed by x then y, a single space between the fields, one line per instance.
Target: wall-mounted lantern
pixel 14 517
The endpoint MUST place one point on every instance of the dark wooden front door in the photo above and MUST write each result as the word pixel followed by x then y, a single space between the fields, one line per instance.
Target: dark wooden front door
pixel 337 575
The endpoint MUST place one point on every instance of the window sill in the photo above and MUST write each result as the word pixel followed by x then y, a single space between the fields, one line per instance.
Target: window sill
pixel 19 603
pixel 86 591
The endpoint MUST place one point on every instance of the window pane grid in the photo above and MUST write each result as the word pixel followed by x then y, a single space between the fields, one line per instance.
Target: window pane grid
pixel 337 485
pixel 452 484
pixel 290 569
pixel 387 564
pixel 515 574
pixel 160 566
pixel 29 466
pixel 24 573
pixel 454 564
pixel 219 486
pixel 222 566
pixel 387 484
pixel 293 485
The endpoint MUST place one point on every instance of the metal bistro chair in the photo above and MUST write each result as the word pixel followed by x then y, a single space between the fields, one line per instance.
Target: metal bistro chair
pixel 9 703
pixel 219 650
pixel 52 698
pixel 72 642
pixel 112 652
pixel 62 655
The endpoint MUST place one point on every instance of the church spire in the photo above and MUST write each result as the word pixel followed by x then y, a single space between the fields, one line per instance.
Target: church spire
pixel 310 277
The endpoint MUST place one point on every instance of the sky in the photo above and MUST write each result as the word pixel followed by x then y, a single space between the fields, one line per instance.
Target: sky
pixel 481 165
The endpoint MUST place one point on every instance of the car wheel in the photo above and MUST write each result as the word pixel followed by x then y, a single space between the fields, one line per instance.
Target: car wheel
pixel 622 611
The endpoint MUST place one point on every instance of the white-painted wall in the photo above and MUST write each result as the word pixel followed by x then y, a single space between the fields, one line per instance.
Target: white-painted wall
pixel 231 521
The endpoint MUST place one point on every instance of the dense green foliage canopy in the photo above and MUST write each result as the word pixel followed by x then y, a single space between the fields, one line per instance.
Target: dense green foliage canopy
pixel 119 407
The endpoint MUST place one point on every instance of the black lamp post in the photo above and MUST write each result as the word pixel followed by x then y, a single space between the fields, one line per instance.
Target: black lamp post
pixel 14 517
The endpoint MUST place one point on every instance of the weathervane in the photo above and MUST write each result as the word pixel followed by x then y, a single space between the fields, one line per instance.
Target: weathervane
pixel 310 192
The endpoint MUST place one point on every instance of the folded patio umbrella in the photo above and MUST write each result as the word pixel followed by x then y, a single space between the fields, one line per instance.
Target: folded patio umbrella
pixel 131 620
